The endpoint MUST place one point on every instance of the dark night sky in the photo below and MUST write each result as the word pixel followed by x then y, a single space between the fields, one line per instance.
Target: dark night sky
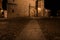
pixel 52 4
pixel 4 4
pixel 49 4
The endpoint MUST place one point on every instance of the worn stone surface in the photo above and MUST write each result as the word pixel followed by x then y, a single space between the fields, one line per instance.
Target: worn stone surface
pixel 30 29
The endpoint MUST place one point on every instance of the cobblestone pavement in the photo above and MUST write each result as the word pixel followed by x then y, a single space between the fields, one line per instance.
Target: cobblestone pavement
pixel 50 28
pixel 30 29
pixel 11 28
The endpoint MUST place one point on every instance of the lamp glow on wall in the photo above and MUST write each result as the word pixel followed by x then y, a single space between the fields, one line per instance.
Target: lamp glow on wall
pixel 1 10
pixel 39 10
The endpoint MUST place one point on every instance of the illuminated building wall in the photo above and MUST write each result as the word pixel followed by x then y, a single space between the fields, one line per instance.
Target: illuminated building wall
pixel 32 8
pixel 23 7
pixel 20 8
pixel 41 8
pixel 12 9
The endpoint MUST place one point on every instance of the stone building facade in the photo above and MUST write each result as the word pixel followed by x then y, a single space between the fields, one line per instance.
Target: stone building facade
pixel 11 8
pixel 24 8
pixel 41 8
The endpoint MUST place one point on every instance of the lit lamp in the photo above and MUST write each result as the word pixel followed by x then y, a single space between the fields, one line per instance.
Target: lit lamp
pixel 1 11
pixel 39 10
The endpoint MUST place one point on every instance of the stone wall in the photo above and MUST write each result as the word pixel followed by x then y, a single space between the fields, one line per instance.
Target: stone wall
pixel 12 9
pixel 18 8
